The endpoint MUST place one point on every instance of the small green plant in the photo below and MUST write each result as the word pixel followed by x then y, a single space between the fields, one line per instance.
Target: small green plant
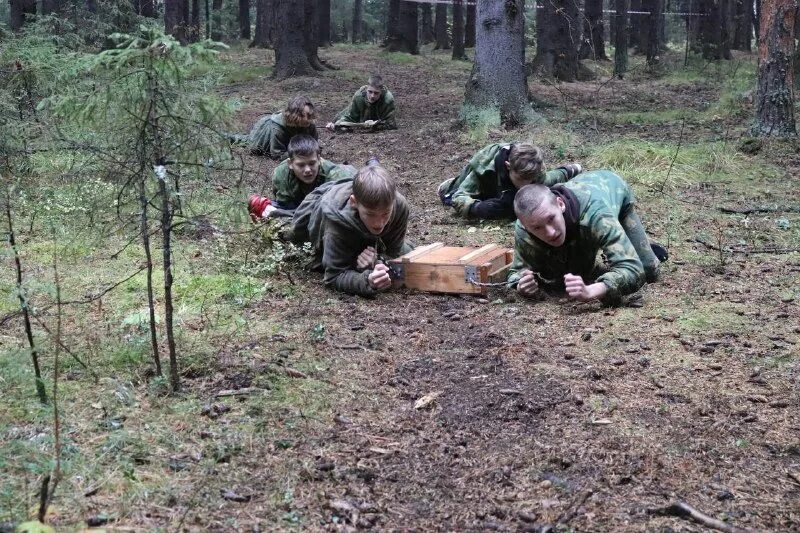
pixel 479 121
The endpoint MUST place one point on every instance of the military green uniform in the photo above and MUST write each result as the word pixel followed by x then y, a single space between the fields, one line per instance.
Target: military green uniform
pixel 485 180
pixel 360 110
pixel 599 216
pixel 270 136
pixel 288 191
pixel 331 223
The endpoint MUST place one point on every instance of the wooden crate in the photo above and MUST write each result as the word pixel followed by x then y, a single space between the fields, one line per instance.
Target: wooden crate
pixel 452 269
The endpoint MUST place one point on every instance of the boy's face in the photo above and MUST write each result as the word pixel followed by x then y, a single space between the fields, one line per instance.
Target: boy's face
pixel 546 223
pixel 374 218
pixel 373 94
pixel 305 167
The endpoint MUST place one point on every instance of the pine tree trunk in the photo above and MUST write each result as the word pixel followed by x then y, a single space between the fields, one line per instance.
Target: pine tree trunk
pixel 405 40
pixel 743 33
pixel 593 44
pixel 440 28
pixel 167 212
pixel 19 12
pixel 500 41
pixel 775 100
pixel 291 58
pixel 244 19
pixel 469 29
pixel 175 23
pixel 654 23
pixel 144 228
pixel 557 40
pixel 621 37
pixel 216 20
pixel 145 8
pixel 358 15
pixel 393 21
pixel 191 14
pixel 324 23
pixel 714 34
pixel 311 45
pixel 635 24
pixel 458 30
pixel 426 35
pixel 264 14
pixel 51 6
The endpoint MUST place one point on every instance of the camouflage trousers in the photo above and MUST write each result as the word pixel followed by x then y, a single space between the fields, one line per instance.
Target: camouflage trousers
pixel 634 229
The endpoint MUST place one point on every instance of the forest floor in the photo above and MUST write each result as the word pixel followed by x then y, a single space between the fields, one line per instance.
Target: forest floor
pixel 549 413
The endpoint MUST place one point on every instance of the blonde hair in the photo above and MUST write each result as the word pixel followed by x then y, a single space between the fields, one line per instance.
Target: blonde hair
pixel 373 187
pixel 526 160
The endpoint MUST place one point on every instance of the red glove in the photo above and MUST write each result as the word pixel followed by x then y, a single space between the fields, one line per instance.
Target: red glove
pixel 256 206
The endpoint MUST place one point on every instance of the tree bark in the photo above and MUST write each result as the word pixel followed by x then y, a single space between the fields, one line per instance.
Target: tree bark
pixel 440 28
pixel 244 19
pixel 291 58
pixel 557 40
pixel 593 44
pixel 324 23
pixel 713 30
pixel 19 12
pixel 498 77
pixel 175 23
pixel 775 100
pixel 405 39
pixel 191 11
pixel 51 6
pixel 311 45
pixel 656 7
pixel 469 28
pixel 426 35
pixel 621 37
pixel 635 24
pixel 393 21
pixel 743 34
pixel 458 30
pixel 264 14
pixel 358 15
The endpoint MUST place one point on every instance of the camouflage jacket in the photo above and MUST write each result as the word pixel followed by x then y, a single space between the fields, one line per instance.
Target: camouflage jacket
pixel 338 236
pixel 270 136
pixel 485 177
pixel 602 196
pixel 360 110
pixel 288 191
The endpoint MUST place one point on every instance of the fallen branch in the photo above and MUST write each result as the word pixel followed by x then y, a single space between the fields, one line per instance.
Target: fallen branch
pixel 762 209
pixel 684 510
pixel 746 251
pixel 238 392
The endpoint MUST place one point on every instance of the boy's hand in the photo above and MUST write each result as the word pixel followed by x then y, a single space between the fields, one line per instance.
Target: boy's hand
pixel 578 290
pixel 366 258
pixel 379 277
pixel 330 126
pixel 527 285
pixel 370 123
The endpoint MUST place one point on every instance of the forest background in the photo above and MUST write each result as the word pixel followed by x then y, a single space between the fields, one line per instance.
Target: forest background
pixel 166 364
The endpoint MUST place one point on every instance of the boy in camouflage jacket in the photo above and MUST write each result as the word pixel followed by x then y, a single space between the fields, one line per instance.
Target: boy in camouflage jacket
pixel 302 172
pixel 372 105
pixel 354 225
pixel 271 134
pixel 486 187
pixel 560 231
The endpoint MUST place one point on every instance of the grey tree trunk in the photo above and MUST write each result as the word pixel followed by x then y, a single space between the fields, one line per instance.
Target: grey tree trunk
pixel 775 100
pixel 499 77
pixel 635 24
pixel 621 8
pixel 440 28
pixel 557 41
pixel 405 39
pixel 244 19
pixel 592 44
pixel 324 23
pixel 264 16
pixel 290 53
pixel 458 30
pixel 358 15
pixel 393 21
pixel 743 34
pixel 426 35
pixel 469 29
pixel 216 20
pixel 311 19
pixel 51 6
pixel 175 22
pixel 714 34
pixel 19 12
pixel 654 24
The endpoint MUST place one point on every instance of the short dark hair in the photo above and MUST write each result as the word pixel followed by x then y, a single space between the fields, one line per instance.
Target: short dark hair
pixel 375 80
pixel 526 160
pixel 530 197
pixel 295 109
pixel 373 187
pixel 303 145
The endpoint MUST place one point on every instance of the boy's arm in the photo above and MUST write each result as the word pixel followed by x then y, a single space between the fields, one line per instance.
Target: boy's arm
pixel 339 259
pixel 562 174
pixel 626 274
pixel 351 113
pixel 463 196
pixel 277 145
pixel 282 196
pixel 388 119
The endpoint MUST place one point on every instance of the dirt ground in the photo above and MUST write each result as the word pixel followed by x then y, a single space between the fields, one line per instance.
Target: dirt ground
pixel 550 415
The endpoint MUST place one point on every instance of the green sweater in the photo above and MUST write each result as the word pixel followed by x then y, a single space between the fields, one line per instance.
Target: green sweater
pixel 338 236
pixel 360 110
pixel 288 191
pixel 479 180
pixel 602 197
